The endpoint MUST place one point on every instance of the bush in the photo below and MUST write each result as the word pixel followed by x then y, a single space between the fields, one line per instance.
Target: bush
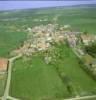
pixel 91 49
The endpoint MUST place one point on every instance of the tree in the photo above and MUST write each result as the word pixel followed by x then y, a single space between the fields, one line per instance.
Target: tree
pixel 91 49
pixel 67 82
pixel 85 32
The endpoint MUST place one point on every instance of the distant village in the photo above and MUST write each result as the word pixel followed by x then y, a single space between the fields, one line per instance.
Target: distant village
pixel 40 38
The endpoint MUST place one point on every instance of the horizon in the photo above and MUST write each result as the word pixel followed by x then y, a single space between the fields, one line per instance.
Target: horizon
pixel 18 5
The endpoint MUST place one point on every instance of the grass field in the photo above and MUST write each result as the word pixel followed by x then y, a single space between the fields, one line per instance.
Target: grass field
pixel 34 79
pixel 2 84
pixel 70 65
pixel 10 41
pixel 80 18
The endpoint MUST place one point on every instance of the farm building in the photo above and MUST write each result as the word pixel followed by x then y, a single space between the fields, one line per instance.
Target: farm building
pixel 3 64
pixel 86 39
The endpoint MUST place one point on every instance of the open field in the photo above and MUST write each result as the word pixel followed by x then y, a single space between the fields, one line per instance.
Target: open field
pixel 33 79
pixel 80 18
pixel 9 41
pixel 10 37
pixel 2 84
pixel 69 64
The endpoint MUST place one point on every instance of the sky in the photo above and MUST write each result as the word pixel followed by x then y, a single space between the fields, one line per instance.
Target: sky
pixel 10 5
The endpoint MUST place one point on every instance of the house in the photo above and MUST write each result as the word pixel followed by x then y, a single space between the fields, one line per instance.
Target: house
pixel 80 51
pixel 86 39
pixel 42 46
pixel 3 64
pixel 72 40
pixel 66 26
pixel 49 39
pixel 94 63
pixel 47 59
pixel 29 29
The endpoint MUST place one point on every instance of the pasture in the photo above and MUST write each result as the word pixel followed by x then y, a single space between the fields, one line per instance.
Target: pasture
pixel 2 84
pixel 34 79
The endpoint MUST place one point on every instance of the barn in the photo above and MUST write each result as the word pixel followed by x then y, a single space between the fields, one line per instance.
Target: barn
pixel 3 64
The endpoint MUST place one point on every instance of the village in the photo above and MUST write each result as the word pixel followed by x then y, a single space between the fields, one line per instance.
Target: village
pixel 41 38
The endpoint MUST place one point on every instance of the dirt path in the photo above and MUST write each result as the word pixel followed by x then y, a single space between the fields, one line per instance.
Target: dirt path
pixel 12 98
pixel 83 98
pixel 7 88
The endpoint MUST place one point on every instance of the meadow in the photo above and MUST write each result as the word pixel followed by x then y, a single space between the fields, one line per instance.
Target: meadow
pixel 2 83
pixel 34 79
pixel 10 39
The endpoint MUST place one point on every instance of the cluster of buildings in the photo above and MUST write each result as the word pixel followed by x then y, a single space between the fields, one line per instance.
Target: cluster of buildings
pixel 71 38
pixel 75 38
pixel 40 38
pixel 40 20
pixel 87 38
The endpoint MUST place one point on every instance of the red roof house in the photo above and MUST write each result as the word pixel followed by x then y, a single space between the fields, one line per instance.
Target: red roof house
pixel 3 64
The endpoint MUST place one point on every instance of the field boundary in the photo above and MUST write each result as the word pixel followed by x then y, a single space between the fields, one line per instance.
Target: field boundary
pixel 82 98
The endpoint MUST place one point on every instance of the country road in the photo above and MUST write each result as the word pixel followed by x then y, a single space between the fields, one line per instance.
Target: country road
pixel 7 88
pixel 83 98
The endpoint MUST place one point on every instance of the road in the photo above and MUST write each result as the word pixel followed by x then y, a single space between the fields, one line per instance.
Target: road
pixel 83 98
pixel 12 98
pixel 6 92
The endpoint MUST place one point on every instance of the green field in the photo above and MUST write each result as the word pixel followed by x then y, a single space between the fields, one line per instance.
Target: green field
pixel 2 84
pixel 9 42
pixel 33 79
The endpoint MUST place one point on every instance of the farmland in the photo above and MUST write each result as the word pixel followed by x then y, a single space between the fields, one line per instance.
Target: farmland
pixel 44 78
pixel 33 79
pixel 42 85
pixel 2 83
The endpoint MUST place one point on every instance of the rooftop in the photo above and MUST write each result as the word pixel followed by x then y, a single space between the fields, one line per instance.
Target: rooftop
pixel 3 64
